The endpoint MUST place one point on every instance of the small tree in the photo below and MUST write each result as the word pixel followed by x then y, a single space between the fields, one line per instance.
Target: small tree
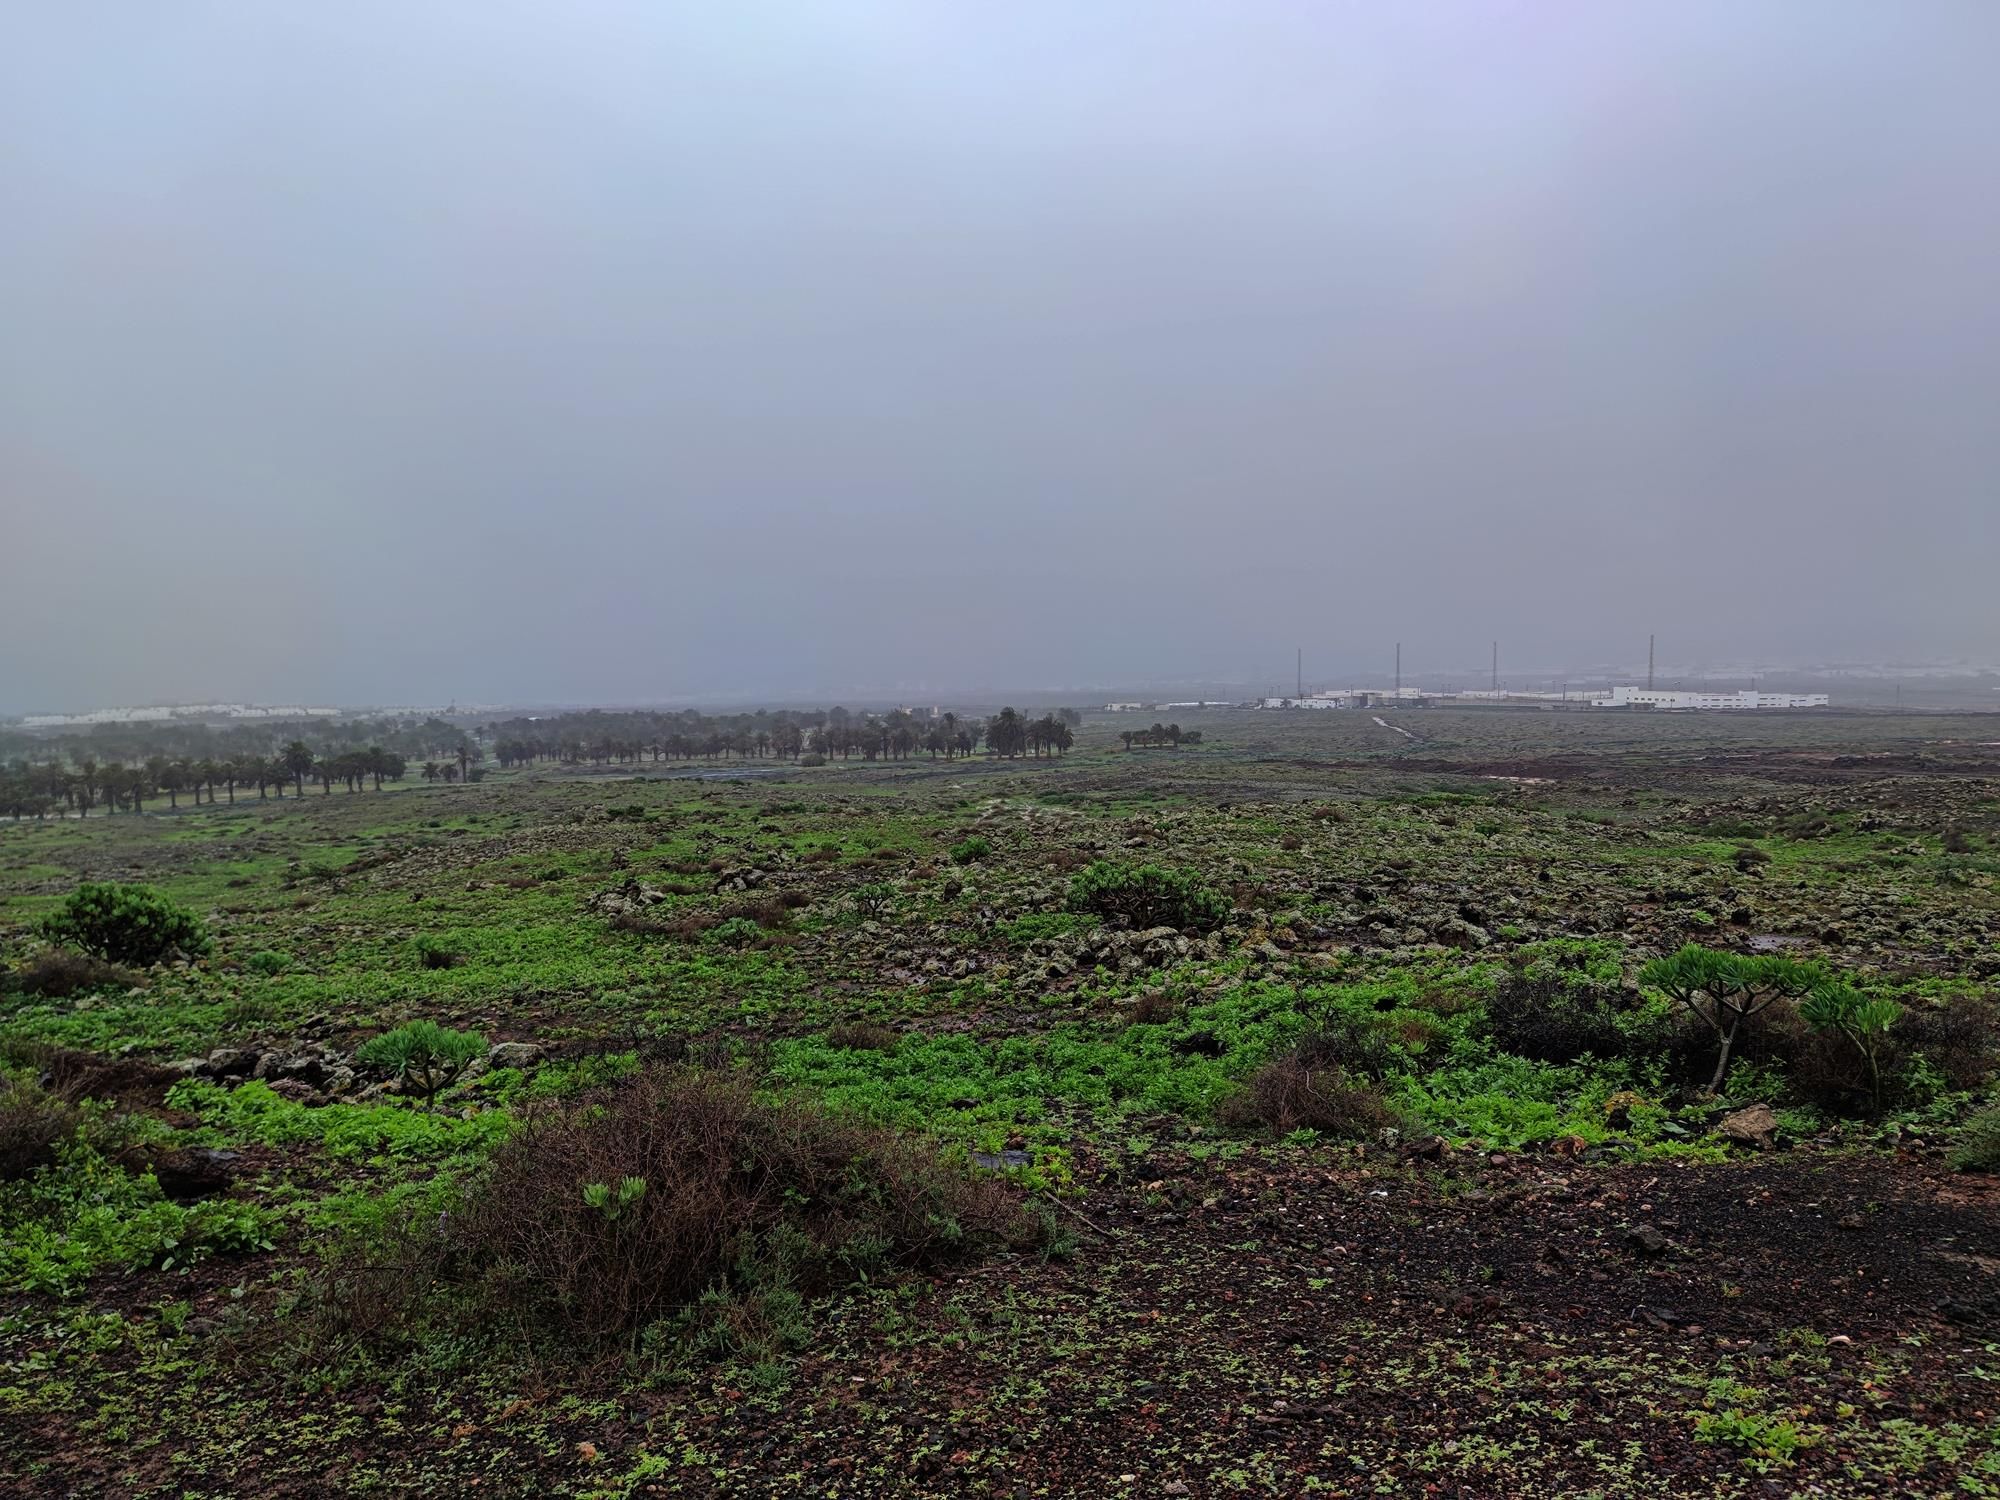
pixel 424 1054
pixel 127 924
pixel 1863 1023
pixel 1723 990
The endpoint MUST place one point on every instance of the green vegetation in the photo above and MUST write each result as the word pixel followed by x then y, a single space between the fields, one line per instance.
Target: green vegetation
pixel 1171 1123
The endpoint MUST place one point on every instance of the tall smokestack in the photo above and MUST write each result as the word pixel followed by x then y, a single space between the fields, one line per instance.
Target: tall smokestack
pixel 1301 685
pixel 1649 664
pixel 1496 666
pixel 1399 666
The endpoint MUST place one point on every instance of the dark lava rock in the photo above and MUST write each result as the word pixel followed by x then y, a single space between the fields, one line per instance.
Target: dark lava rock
pixel 186 1175
pixel 1647 1240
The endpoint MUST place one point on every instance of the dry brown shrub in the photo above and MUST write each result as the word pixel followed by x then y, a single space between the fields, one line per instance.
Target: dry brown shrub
pixel 732 1183
pixel 75 1076
pixel 1960 1039
pixel 32 1123
pixel 686 928
pixel 1290 1094
pixel 57 973
pixel 1153 1008
pixel 768 912
pixel 863 1036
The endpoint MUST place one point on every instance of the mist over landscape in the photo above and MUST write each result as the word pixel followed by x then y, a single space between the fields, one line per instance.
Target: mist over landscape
pixel 373 353
pixel 1130 749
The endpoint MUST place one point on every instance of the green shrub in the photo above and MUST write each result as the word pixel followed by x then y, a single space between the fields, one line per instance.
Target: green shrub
pixel 1147 896
pixel 1725 990
pixel 268 961
pixel 1979 1144
pixel 424 1054
pixel 127 924
pixel 737 932
pixel 967 851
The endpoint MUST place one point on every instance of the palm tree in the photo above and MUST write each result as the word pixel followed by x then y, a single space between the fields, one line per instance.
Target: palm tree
pixel 296 760
pixel 430 771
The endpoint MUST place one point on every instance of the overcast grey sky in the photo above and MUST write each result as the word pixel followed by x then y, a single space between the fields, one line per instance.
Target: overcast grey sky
pixel 395 352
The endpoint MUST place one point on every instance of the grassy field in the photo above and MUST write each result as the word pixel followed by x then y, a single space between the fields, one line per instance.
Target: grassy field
pixel 1498 1245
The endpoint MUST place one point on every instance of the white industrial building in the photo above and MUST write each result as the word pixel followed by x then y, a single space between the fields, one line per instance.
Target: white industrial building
pixel 1638 697
pixel 166 713
pixel 1313 700
pixel 1617 697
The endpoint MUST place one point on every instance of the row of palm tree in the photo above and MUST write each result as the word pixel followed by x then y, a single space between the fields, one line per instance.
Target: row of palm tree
pixel 37 789
pixel 415 738
pixel 603 739
pixel 1160 734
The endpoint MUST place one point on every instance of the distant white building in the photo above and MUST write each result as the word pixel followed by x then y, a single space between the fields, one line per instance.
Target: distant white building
pixel 164 713
pixel 1312 700
pixel 1124 708
pixel 1638 697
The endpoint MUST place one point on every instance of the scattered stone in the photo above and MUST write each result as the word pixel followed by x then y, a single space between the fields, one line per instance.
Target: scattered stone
pixel 230 1062
pixel 1647 1240
pixel 1754 1127
pixel 187 1175
pixel 513 1055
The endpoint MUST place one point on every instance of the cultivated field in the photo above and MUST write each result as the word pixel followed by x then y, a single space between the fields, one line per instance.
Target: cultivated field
pixel 1281 1115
